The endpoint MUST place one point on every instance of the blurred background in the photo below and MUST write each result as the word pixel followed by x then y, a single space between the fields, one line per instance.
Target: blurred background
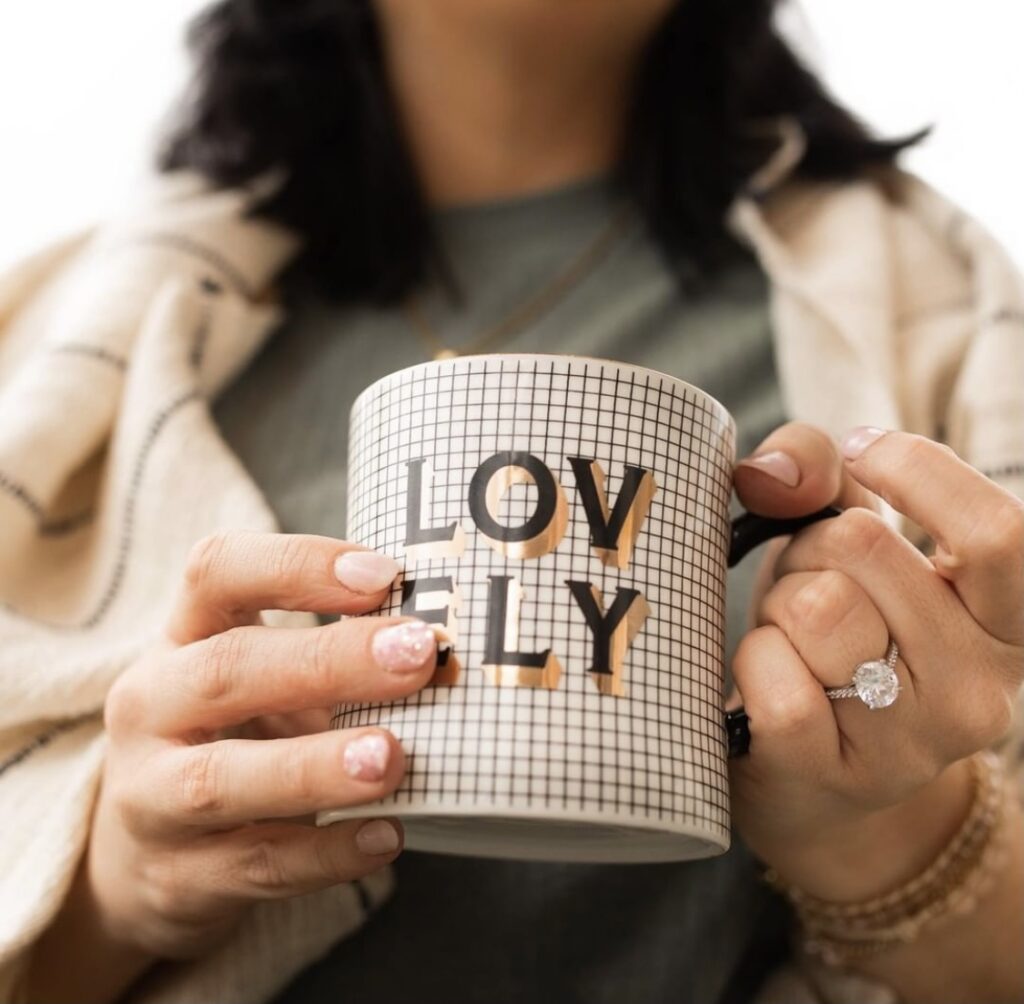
pixel 83 84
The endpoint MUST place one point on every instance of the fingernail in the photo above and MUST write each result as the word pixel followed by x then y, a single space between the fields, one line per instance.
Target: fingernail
pixel 856 441
pixel 366 758
pixel 775 464
pixel 377 837
pixel 404 647
pixel 365 571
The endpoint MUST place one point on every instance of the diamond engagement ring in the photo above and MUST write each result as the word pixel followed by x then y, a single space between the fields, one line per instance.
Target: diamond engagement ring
pixel 874 682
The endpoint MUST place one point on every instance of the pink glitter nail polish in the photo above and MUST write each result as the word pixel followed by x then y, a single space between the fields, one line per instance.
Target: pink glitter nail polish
pixel 405 647
pixel 366 757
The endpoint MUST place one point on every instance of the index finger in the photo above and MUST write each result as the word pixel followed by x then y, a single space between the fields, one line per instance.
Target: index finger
pixel 230 577
pixel 977 526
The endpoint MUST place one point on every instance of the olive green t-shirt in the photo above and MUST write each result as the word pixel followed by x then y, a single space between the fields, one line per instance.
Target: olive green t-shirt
pixel 466 929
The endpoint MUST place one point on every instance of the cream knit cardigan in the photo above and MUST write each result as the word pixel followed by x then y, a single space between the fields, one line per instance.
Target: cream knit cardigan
pixel 890 307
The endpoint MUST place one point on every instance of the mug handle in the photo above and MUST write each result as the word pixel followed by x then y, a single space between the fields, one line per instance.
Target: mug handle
pixel 748 531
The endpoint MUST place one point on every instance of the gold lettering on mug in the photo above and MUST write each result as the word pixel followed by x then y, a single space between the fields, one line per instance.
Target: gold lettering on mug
pixel 436 599
pixel 422 540
pixel 613 632
pixel 544 530
pixel 504 665
pixel 613 533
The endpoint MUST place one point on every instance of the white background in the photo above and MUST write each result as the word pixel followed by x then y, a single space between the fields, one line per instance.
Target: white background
pixel 83 84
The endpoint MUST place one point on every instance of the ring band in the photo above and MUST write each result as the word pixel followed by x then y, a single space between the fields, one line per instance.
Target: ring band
pixel 874 682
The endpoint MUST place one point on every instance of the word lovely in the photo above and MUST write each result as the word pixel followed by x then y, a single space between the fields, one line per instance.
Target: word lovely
pixel 613 534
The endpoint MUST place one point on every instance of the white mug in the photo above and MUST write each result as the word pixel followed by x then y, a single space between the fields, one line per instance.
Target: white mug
pixel 563 522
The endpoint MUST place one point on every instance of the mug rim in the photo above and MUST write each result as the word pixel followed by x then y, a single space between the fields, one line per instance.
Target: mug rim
pixel 634 367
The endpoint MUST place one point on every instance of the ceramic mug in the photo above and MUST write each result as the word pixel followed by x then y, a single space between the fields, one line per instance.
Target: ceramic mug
pixel 564 524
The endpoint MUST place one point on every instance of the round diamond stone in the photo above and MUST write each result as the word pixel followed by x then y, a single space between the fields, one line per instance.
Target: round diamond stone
pixel 876 684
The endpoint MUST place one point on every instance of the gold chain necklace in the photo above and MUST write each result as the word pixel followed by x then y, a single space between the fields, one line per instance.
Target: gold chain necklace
pixel 532 309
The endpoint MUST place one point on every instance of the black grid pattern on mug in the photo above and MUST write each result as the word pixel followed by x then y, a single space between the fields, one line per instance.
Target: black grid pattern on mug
pixel 656 753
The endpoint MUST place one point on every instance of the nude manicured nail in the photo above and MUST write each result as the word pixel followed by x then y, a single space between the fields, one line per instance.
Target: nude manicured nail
pixel 404 647
pixel 775 464
pixel 856 441
pixel 366 757
pixel 377 837
pixel 365 571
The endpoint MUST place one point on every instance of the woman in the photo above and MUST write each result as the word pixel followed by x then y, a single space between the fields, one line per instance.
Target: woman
pixel 631 180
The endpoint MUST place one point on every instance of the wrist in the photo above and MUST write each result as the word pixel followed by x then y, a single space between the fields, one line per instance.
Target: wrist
pixel 882 850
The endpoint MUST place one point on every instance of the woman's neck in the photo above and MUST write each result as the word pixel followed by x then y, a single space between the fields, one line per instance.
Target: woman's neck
pixel 493 110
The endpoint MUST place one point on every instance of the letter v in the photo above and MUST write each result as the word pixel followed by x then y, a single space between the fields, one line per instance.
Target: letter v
pixel 614 534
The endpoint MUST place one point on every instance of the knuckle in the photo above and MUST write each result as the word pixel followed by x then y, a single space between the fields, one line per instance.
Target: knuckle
pixel 124 707
pixel 199 782
pixel 320 657
pixel 746 653
pixel 206 558
pixel 790 711
pixel 129 793
pixel 213 662
pixel 261 868
pixel 856 533
pixel 781 708
pixel 121 795
pixel 166 887
pixel 749 646
pixel 821 604
pixel 290 558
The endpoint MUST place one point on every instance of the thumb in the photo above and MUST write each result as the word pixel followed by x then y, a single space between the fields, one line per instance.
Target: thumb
pixel 795 471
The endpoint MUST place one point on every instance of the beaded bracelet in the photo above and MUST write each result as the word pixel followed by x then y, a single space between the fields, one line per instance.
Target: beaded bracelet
pixel 951 885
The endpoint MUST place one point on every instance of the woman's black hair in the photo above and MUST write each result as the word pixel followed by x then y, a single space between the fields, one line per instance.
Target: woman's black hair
pixel 299 85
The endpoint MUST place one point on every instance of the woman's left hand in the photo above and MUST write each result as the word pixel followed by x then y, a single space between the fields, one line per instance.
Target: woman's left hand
pixel 839 798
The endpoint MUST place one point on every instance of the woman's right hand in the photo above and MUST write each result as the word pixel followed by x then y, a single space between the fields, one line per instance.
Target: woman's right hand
pixel 194 823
